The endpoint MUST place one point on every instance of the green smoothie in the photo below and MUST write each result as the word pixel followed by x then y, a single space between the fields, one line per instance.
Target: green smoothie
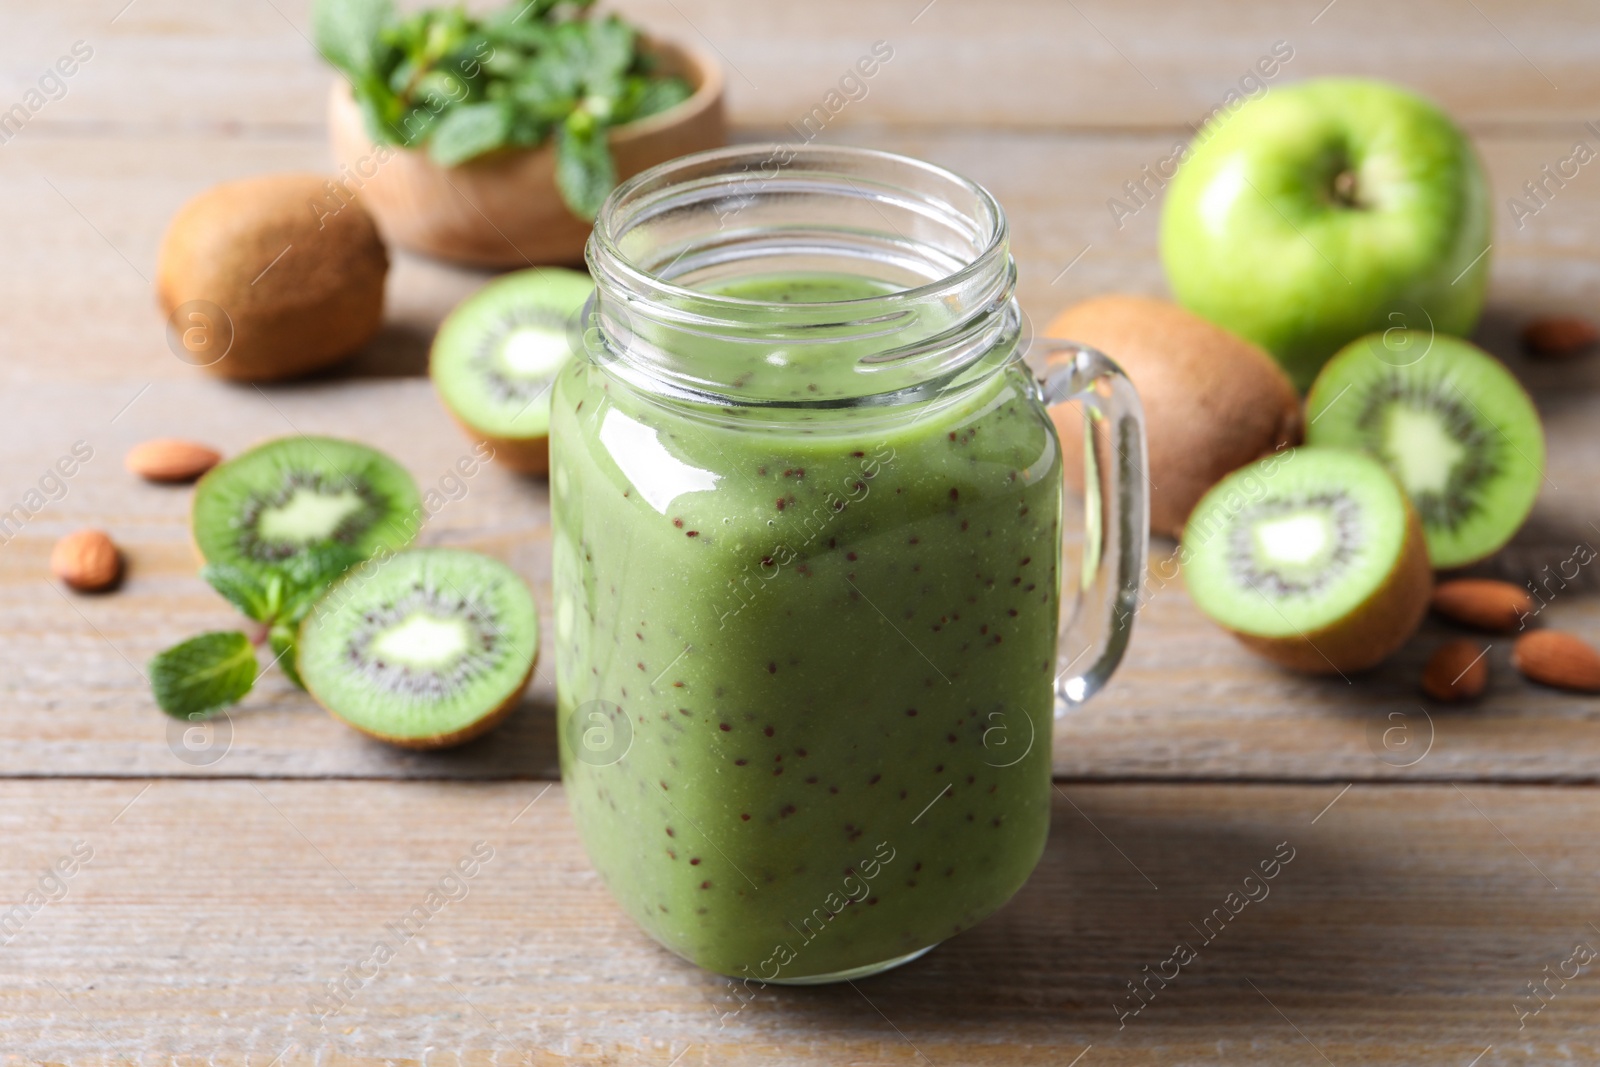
pixel 805 660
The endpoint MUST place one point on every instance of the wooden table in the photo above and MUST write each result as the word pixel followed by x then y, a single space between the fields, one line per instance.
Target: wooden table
pixel 222 882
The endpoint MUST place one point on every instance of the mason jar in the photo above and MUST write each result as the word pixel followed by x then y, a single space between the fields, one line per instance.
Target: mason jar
pixel 807 540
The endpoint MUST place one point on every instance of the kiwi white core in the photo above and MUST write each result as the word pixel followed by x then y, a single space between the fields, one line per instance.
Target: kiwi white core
pixel 423 640
pixel 1420 449
pixel 1295 545
pixel 1295 539
pixel 530 352
pixel 308 515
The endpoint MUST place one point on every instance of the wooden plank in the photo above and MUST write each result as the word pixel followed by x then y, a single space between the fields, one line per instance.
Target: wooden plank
pixel 84 358
pixel 1030 63
pixel 1403 930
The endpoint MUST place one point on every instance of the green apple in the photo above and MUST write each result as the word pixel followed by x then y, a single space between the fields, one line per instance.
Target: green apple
pixel 1326 210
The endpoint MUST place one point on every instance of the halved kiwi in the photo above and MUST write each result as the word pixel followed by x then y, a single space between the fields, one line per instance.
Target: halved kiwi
pixel 498 352
pixel 1449 421
pixel 298 495
pixel 425 649
pixel 1312 557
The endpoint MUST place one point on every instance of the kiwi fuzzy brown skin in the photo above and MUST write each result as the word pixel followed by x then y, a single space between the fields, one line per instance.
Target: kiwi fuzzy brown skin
pixel 318 303
pixel 1371 633
pixel 1213 401
pixel 470 732
pixel 525 455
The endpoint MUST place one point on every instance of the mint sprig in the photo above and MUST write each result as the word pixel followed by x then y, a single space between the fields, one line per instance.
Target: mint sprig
pixel 469 131
pixel 203 674
pixel 287 588
pixel 532 72
pixel 207 673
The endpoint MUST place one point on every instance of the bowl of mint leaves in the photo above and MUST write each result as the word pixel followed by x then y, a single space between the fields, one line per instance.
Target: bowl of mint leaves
pixel 492 139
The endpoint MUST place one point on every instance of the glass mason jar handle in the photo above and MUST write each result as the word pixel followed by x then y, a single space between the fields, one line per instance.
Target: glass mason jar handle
pixel 1116 517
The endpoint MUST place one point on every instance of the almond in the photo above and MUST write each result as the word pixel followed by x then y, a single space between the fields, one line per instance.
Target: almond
pixel 1458 670
pixel 1559 336
pixel 1555 658
pixel 86 560
pixel 168 459
pixel 1483 603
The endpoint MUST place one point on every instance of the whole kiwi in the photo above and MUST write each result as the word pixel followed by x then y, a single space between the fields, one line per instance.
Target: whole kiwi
pixel 1213 401
pixel 296 269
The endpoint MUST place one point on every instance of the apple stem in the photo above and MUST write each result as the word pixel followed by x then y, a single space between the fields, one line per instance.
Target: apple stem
pixel 1344 188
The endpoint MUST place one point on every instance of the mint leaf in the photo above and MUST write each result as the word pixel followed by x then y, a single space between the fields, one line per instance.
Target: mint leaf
pixel 523 15
pixel 541 101
pixel 528 129
pixel 559 67
pixel 307 575
pixel 298 603
pixel 203 674
pixel 241 589
pixel 318 565
pixel 470 130
pixel 585 173
pixel 447 28
pixel 414 125
pixel 348 33
pixel 610 51
pixel 286 590
pixel 381 110
pixel 654 96
pixel 443 89
pixel 509 33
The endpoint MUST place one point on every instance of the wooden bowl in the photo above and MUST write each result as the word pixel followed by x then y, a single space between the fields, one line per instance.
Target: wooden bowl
pixel 502 209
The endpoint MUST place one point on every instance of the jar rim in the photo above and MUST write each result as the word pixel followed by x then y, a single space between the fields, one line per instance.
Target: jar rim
pixel 603 249
pixel 936 241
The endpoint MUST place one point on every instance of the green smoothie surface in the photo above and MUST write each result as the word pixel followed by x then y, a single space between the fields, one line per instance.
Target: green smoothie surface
pixel 801 287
